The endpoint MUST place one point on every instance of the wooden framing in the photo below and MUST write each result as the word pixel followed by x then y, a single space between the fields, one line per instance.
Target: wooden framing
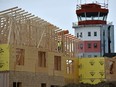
pixel 18 27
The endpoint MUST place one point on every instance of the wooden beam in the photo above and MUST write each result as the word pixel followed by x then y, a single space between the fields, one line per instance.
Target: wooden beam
pixel 8 9
pixel 3 13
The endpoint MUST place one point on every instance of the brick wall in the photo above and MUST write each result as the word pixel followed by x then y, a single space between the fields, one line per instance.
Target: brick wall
pixel 29 79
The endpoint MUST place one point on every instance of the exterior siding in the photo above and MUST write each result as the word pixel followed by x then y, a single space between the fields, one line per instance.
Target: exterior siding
pixel 85 31
pixel 4 79
pixel 105 42
pixel 104 39
pixel 85 46
pixel 85 51
pixel 92 49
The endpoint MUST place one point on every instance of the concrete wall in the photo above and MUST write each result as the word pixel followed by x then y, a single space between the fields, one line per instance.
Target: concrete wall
pixel 4 79
pixel 31 79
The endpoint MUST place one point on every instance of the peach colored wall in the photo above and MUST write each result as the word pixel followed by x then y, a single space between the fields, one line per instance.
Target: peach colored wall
pixel 110 67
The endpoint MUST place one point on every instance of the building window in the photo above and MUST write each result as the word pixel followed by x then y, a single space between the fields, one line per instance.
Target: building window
pixel 17 84
pixel 20 54
pixel 95 55
pixel 89 33
pixel 89 45
pixel 89 55
pixel 95 33
pixel 81 35
pixel 42 59
pixel 95 45
pixel 77 34
pixel 69 66
pixel 81 56
pixel 55 86
pixel 14 84
pixel 57 62
pixel 43 84
pixel 81 46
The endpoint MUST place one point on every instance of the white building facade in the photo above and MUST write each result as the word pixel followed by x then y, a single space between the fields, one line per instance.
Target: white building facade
pixel 96 36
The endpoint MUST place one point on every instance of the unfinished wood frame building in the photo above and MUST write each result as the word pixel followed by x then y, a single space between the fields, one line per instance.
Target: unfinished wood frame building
pixel 34 52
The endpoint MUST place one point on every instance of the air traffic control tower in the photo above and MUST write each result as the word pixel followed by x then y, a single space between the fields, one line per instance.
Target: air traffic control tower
pixel 95 33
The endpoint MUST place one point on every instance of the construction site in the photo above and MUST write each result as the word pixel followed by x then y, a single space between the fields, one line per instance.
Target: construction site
pixel 36 53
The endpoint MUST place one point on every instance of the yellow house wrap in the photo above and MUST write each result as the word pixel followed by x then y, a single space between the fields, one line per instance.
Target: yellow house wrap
pixel 4 57
pixel 91 70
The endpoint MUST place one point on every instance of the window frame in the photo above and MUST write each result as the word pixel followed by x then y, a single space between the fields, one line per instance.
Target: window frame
pixel 43 84
pixel 89 45
pixel 89 34
pixel 81 34
pixel 57 63
pixel 95 45
pixel 41 59
pixel 20 56
pixel 95 33
pixel 17 84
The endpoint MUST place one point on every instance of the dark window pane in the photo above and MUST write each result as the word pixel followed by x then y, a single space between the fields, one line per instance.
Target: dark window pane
pixel 81 35
pixel 95 33
pixel 14 84
pixel 89 33
pixel 95 45
pixel 57 63
pixel 43 84
pixel 77 34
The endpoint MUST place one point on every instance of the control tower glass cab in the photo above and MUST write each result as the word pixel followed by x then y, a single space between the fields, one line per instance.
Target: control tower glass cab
pixel 95 33
pixel 91 13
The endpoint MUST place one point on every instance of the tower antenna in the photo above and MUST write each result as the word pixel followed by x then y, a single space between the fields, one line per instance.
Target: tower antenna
pixel 77 2
pixel 107 3
pixel 80 1
pixel 85 1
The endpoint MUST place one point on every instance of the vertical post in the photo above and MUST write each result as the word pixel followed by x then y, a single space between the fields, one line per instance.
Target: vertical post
pixel 10 30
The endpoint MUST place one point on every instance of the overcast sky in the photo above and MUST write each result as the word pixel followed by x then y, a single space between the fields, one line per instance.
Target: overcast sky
pixel 61 13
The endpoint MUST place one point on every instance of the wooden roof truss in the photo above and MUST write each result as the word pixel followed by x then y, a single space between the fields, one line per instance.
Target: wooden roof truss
pixel 22 28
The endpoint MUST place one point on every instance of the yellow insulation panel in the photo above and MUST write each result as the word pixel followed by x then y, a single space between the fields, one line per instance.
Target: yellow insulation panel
pixel 4 57
pixel 91 70
pixel 92 80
